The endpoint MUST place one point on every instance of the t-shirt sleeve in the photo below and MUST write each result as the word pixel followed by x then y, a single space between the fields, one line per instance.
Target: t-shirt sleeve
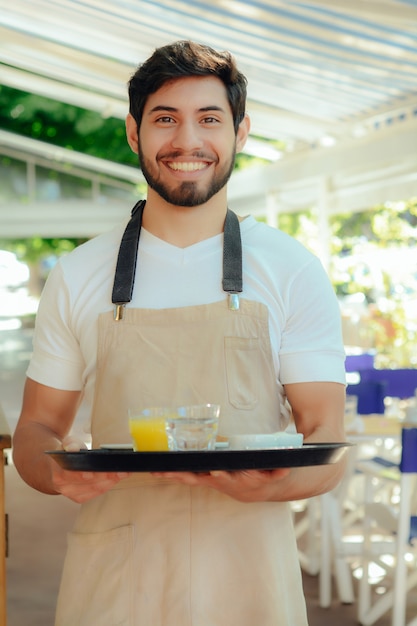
pixel 57 360
pixel 312 343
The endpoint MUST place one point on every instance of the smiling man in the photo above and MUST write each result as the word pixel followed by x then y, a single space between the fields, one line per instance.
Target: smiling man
pixel 162 311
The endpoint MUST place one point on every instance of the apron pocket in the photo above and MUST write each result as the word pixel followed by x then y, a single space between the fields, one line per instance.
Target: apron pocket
pixel 97 578
pixel 242 371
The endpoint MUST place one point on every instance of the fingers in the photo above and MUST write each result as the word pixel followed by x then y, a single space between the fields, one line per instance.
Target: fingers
pixel 186 478
pixel 245 486
pixel 83 486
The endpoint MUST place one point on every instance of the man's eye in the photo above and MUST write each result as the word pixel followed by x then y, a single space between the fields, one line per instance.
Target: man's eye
pixel 165 119
pixel 210 120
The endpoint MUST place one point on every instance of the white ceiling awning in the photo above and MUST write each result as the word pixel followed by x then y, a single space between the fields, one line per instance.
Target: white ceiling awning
pixel 337 73
pixel 313 67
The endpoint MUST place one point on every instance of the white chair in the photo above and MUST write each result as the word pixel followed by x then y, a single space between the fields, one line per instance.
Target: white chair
pixel 390 530
pixel 338 515
pixel 306 515
pixel 322 525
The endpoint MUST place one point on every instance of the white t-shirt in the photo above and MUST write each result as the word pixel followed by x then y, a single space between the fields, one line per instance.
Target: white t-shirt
pixel 304 321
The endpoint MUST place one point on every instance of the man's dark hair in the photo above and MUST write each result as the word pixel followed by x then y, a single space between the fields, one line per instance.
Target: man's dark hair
pixel 182 59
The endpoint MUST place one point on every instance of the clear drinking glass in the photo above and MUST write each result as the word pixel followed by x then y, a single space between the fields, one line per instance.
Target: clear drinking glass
pixel 194 427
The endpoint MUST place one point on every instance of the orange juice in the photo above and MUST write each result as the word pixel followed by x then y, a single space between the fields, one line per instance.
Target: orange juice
pixel 148 434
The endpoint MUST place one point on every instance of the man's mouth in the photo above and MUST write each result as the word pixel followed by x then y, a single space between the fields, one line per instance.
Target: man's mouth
pixel 182 166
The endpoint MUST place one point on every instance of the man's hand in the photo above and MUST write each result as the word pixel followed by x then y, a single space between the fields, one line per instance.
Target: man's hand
pixel 82 486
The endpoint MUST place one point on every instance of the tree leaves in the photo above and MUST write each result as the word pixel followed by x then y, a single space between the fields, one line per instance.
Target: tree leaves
pixel 64 125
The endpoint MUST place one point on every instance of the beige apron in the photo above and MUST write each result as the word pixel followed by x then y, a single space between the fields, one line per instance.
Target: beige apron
pixel 153 553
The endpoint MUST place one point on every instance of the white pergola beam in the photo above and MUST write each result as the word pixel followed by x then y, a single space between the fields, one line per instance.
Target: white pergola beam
pixel 361 173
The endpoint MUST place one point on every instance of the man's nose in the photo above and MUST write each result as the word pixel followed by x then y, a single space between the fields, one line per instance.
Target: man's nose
pixel 187 137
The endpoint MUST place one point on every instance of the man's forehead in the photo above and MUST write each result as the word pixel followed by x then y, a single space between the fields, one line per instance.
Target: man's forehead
pixel 201 93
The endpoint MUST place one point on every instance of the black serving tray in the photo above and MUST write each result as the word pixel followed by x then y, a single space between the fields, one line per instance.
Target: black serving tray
pixel 115 460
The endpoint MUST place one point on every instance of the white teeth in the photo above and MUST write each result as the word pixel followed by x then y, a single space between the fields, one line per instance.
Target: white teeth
pixel 187 167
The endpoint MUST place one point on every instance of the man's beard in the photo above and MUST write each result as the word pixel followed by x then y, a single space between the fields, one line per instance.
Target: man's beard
pixel 187 193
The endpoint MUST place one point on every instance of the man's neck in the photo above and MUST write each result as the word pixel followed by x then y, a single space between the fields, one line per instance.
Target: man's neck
pixel 184 226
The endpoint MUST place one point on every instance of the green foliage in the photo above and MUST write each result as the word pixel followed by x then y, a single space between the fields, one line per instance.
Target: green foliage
pixel 363 245
pixel 245 160
pixel 64 125
pixel 296 224
pixel 388 224
pixel 33 250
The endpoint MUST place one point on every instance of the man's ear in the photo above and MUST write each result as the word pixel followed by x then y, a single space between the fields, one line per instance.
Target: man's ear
pixel 242 133
pixel 132 133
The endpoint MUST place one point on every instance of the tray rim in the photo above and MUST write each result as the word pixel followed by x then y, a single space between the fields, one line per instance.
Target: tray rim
pixel 106 460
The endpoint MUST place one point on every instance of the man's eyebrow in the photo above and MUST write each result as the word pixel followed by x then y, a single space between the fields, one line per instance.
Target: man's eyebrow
pixel 212 107
pixel 163 107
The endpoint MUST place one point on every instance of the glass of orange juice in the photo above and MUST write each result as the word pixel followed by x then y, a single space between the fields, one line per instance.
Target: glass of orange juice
pixel 147 428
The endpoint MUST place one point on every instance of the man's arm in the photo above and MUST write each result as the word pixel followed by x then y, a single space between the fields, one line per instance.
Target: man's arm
pixel 46 418
pixel 44 423
pixel 318 411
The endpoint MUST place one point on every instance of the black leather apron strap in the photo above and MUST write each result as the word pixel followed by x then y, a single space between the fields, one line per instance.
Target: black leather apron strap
pixel 124 277
pixel 232 254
